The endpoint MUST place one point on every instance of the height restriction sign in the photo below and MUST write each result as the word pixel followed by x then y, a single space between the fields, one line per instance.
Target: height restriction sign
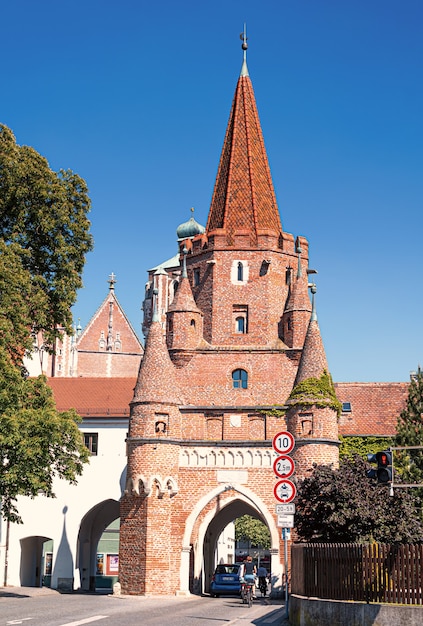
pixel 284 466
pixel 283 442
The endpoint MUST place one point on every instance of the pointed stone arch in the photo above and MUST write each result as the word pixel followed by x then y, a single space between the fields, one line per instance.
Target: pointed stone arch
pixel 194 539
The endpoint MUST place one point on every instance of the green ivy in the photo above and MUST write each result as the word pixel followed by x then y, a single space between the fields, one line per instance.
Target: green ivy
pixel 316 392
pixel 362 446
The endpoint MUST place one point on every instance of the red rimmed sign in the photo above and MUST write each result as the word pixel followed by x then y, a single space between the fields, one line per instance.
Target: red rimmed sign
pixel 283 466
pixel 285 491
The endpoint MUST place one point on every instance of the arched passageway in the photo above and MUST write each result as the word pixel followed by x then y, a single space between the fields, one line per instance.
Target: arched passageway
pixel 91 529
pixel 204 526
pixel 32 567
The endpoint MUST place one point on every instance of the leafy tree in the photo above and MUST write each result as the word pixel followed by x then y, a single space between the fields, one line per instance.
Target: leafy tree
pixel 44 236
pixel 44 215
pixel 37 443
pixel 409 463
pixel 248 528
pixel 342 505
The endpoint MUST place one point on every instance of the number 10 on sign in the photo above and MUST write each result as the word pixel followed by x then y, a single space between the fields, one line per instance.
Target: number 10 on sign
pixel 283 443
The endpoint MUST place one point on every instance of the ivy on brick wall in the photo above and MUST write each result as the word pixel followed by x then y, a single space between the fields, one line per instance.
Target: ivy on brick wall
pixel 318 392
pixel 363 446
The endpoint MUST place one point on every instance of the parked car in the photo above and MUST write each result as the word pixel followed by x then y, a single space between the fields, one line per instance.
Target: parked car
pixel 225 580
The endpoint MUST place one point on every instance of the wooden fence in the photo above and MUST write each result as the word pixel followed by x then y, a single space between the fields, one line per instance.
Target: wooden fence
pixel 370 573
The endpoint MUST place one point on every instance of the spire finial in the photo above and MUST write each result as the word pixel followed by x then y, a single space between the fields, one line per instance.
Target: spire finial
pixel 112 280
pixel 313 290
pixel 155 317
pixel 184 263
pixel 243 36
pixel 299 270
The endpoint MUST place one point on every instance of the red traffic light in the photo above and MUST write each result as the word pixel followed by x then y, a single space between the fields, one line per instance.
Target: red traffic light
pixel 384 458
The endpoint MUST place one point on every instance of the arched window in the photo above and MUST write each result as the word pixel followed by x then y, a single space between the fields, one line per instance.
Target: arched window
pixel 240 275
pixel 240 379
pixel 240 325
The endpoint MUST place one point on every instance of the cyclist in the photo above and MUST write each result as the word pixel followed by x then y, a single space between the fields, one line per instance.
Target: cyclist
pixel 248 572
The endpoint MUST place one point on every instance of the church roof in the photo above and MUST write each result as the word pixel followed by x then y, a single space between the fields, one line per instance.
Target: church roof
pixel 244 198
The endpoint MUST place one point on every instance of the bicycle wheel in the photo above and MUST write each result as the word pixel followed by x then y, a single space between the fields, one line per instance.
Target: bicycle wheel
pixel 250 597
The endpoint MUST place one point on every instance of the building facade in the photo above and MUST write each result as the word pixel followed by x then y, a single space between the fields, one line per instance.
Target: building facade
pixel 181 431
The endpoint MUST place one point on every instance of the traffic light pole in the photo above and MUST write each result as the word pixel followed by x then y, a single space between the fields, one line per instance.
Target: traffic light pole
pixel 402 485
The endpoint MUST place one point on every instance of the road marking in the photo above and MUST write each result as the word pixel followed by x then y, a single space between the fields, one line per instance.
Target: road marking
pixel 19 621
pixel 85 621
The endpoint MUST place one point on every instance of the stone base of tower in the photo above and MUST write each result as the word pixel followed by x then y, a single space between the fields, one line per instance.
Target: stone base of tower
pixel 150 564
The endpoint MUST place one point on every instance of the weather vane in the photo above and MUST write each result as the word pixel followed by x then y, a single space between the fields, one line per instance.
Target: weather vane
pixel 243 37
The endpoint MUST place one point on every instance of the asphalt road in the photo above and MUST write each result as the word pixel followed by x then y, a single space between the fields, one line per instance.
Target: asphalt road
pixel 48 608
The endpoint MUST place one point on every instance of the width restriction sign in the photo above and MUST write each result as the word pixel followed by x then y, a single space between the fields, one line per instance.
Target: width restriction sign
pixel 283 442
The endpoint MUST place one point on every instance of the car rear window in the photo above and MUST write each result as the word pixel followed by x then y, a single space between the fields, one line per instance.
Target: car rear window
pixel 227 569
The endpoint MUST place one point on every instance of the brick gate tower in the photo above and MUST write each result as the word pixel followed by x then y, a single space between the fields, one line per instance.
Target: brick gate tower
pixel 237 338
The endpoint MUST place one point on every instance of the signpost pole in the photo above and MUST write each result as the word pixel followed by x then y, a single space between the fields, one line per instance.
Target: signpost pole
pixel 285 554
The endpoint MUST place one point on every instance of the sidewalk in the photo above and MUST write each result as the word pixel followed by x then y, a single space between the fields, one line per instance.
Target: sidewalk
pixel 26 592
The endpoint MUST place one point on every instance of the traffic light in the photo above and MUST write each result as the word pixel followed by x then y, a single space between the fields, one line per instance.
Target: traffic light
pixel 383 473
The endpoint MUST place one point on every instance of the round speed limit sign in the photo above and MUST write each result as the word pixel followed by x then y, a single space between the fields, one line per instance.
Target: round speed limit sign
pixel 285 491
pixel 283 442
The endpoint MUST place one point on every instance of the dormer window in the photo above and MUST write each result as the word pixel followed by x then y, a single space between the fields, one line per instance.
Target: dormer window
pixel 196 277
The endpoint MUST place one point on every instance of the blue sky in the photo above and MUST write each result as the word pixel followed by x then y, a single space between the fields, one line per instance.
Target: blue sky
pixel 134 96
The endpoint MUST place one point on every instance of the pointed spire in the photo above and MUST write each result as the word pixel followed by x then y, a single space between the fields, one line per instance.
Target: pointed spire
pixel 156 377
pixel 244 199
pixel 243 36
pixel 183 299
pixel 313 360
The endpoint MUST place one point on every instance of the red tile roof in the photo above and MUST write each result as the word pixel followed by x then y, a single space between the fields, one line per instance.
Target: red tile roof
pixel 94 397
pixel 375 407
pixel 244 198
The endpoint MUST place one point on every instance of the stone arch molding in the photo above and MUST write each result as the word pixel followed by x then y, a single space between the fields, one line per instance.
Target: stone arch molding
pixel 142 485
pixel 241 493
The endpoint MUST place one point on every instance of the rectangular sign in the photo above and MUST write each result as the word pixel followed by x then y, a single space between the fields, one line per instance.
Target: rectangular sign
pixel 285 508
pixel 285 521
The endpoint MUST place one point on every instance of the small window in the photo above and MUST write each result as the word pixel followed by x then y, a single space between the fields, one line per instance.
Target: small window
pixel 240 379
pixel 91 442
pixel 346 407
pixel 240 274
pixel 240 325
pixel 196 278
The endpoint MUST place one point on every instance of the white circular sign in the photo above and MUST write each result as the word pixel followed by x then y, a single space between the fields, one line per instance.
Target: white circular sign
pixel 284 466
pixel 283 442
pixel 285 491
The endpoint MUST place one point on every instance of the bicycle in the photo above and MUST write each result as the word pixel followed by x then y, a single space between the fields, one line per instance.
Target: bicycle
pixel 263 585
pixel 247 593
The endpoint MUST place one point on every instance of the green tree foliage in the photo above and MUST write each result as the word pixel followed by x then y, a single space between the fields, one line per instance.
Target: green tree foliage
pixel 248 528
pixel 44 237
pixel 409 463
pixel 343 505
pixel 44 215
pixel 37 443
